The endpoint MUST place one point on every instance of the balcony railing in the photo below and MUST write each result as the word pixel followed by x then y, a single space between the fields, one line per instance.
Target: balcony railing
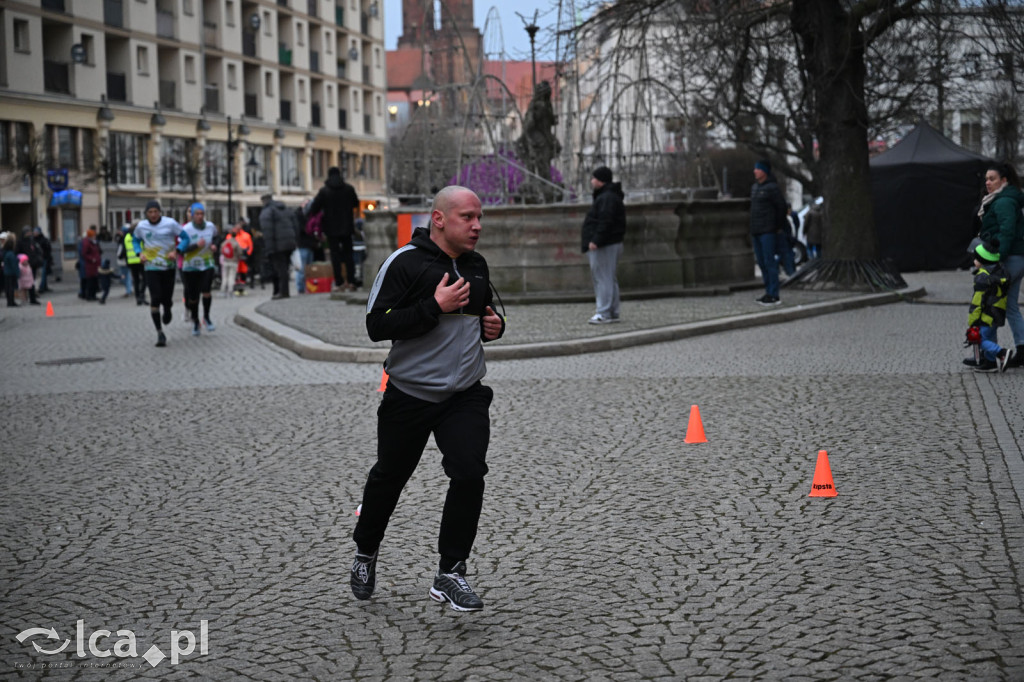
pixel 113 13
pixel 210 34
pixel 314 61
pixel 286 110
pixel 249 44
pixel 367 124
pixel 339 16
pixel 167 92
pixel 284 56
pixel 211 99
pixel 164 24
pixel 252 106
pixel 343 119
pixel 366 75
pixel 314 115
pixel 364 23
pixel 54 5
pixel 55 77
pixel 341 70
pixel 311 7
pixel 117 90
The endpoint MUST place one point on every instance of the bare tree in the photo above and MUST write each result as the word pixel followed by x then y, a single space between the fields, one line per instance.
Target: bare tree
pixel 31 161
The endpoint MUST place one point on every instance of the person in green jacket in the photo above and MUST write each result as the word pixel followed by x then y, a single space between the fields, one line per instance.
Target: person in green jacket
pixel 1002 218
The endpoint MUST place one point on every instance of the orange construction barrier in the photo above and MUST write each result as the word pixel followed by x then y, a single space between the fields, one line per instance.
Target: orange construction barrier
pixel 383 381
pixel 695 429
pixel 49 308
pixel 822 485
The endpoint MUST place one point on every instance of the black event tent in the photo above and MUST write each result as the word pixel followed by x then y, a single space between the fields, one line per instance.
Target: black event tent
pixel 926 191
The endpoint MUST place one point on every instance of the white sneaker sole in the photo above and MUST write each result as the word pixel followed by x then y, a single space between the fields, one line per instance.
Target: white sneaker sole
pixel 441 597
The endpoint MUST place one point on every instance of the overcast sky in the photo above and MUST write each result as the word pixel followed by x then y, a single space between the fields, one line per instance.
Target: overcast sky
pixel 516 40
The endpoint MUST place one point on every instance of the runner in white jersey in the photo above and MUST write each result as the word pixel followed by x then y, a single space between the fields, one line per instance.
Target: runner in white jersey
pixel 198 266
pixel 160 235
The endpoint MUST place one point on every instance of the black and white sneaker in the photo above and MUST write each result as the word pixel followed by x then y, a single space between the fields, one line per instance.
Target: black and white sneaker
pixel 1004 358
pixel 767 300
pixel 452 588
pixel 364 575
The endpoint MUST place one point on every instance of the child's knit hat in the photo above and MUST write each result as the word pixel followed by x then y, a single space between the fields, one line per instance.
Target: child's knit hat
pixel 986 252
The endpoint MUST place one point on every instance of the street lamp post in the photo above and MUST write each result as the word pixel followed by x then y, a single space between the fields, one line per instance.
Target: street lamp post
pixel 531 30
pixel 233 142
pixel 231 180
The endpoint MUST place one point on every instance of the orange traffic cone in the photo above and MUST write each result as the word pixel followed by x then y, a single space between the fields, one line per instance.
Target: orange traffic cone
pixel 383 381
pixel 822 485
pixel 49 308
pixel 695 429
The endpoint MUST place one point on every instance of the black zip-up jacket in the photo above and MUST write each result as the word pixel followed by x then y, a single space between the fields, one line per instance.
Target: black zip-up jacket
pixel 337 199
pixel 605 222
pixel 433 355
pixel 767 207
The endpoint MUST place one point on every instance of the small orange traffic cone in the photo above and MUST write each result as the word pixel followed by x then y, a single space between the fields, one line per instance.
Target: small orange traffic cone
pixel 695 429
pixel 822 485
pixel 49 308
pixel 383 381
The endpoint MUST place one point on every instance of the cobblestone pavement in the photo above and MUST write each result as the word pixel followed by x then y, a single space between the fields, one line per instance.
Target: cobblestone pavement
pixel 215 481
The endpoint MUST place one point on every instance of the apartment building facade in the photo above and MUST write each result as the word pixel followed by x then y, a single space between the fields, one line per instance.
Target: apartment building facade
pixel 106 104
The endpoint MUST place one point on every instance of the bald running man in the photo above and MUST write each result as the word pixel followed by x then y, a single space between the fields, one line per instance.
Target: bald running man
pixel 432 299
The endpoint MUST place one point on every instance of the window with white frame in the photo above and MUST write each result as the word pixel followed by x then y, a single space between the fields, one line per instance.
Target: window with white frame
pixel 232 77
pixel 89 47
pixel 142 60
pixel 190 69
pixel 21 42
pixel 127 156
pixel 175 156
pixel 66 147
pixel 216 165
pixel 291 177
pixel 257 175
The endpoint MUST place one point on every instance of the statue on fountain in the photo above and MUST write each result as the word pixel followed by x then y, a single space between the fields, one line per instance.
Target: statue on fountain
pixel 537 146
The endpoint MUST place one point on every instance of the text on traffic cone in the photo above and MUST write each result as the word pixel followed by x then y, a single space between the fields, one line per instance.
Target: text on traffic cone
pixel 383 381
pixel 695 429
pixel 49 308
pixel 822 485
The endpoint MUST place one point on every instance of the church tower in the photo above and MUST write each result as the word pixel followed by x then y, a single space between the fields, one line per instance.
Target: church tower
pixel 417 23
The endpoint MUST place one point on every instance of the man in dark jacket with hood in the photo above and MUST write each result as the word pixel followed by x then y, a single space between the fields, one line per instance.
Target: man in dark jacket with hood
pixel 604 228
pixel 338 201
pixel 767 216
pixel 432 299
pixel 278 225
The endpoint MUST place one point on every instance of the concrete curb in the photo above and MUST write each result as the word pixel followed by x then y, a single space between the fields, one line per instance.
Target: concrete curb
pixel 312 348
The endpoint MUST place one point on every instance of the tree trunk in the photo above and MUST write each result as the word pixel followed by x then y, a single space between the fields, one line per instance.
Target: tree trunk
pixel 834 61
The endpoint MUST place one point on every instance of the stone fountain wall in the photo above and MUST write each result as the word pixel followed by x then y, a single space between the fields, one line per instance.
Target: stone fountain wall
pixel 536 249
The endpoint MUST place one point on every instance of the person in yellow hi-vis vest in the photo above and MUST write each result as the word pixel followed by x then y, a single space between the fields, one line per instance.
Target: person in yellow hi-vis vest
pixel 129 251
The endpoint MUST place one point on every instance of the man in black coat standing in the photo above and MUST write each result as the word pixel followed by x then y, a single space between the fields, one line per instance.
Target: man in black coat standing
pixel 279 226
pixel 338 201
pixel 604 229
pixel 767 217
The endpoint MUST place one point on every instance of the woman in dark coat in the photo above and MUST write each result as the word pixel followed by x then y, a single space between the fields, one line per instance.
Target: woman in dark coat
pixel 91 259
